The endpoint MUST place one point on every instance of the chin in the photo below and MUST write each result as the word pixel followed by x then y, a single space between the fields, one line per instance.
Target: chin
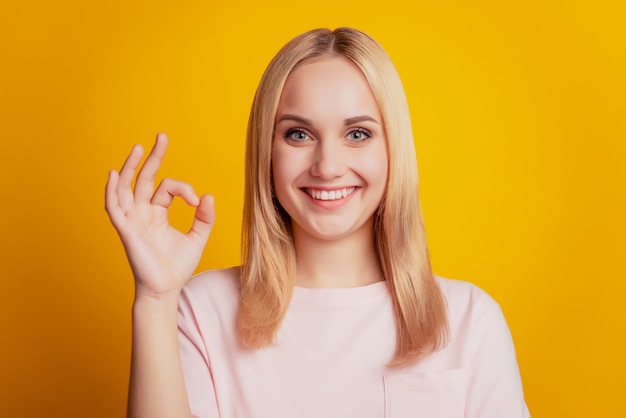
pixel 334 231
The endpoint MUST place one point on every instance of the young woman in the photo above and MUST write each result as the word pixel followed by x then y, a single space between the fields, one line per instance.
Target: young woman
pixel 335 311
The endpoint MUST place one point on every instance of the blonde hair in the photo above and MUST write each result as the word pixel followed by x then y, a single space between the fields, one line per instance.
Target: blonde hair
pixel 268 256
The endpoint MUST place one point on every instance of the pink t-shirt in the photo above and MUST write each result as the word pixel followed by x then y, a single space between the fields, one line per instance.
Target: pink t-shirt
pixel 331 352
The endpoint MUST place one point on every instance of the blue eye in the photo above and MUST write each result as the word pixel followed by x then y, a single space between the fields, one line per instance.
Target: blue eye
pixel 296 135
pixel 359 135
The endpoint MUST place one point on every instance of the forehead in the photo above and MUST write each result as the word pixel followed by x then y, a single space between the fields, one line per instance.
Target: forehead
pixel 331 85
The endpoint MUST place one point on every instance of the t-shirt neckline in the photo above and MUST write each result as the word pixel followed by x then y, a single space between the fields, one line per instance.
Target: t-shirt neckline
pixel 339 296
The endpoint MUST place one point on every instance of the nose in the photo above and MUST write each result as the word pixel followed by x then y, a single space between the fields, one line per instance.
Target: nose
pixel 329 160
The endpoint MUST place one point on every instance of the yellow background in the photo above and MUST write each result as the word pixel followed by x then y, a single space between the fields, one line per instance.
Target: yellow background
pixel 519 111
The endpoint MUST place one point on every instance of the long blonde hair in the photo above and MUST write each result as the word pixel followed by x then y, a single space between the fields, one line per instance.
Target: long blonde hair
pixel 268 256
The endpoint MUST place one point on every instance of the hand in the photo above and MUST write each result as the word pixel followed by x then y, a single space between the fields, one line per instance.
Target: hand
pixel 162 258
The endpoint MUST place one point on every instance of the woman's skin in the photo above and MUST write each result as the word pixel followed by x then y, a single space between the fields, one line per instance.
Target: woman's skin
pixel 329 137
pixel 162 260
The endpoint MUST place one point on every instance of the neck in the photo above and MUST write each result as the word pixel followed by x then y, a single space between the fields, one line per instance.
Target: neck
pixel 347 262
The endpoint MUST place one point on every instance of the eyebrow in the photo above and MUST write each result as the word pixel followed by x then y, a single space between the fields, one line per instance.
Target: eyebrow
pixel 308 122
pixel 295 118
pixel 357 119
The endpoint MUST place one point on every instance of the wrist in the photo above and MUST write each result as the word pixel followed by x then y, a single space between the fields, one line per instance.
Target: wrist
pixel 155 302
pixel 150 296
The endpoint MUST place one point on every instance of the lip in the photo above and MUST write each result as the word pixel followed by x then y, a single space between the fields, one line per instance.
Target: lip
pixel 329 204
pixel 328 188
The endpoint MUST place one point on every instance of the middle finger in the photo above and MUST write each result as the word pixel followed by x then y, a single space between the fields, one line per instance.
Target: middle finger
pixel 144 186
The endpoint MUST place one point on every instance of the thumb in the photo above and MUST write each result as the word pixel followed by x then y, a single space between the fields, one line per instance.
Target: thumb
pixel 203 219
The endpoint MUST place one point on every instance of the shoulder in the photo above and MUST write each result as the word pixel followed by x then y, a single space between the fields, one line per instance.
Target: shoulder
pixel 465 294
pixel 211 290
pixel 467 303
pixel 214 280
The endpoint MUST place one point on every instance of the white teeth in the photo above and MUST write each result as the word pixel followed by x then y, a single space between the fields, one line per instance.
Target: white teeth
pixel 330 195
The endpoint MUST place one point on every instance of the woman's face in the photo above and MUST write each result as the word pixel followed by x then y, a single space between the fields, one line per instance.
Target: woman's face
pixel 329 155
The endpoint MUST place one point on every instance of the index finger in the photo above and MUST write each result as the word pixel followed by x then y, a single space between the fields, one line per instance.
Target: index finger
pixel 144 186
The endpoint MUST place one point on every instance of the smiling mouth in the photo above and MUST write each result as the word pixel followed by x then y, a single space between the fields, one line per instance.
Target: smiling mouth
pixel 330 194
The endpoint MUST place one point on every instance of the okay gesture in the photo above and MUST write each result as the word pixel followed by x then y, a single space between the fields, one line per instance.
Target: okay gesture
pixel 162 258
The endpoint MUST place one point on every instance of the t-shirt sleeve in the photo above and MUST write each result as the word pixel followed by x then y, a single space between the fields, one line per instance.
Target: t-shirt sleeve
pixel 195 362
pixel 495 386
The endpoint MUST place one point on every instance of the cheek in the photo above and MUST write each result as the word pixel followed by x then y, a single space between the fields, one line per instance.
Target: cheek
pixel 375 163
pixel 284 166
